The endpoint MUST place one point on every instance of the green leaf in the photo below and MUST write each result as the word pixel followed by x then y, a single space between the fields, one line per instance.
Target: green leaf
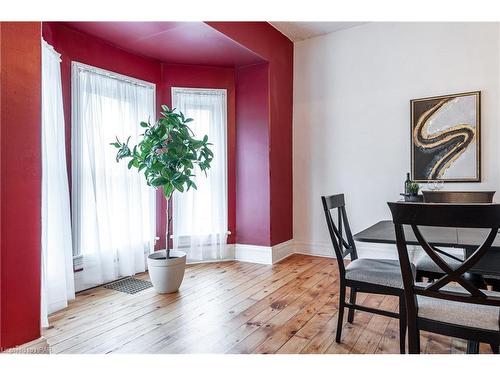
pixel 168 152
pixel 159 181
pixel 168 190
pixel 178 186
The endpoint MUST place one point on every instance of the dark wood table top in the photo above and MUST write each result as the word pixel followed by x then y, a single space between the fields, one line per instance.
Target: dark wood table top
pixel 466 238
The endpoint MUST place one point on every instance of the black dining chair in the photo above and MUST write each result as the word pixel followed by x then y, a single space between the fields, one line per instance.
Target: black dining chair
pixel 377 276
pixel 450 305
pixel 424 264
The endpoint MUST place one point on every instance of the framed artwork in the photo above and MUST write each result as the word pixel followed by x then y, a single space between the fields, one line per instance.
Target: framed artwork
pixel 445 138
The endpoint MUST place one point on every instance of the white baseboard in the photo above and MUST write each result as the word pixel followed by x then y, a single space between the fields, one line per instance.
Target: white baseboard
pixel 273 254
pixel 38 346
pixel 314 248
pixel 365 250
pixel 283 250
pixel 263 254
pixel 253 254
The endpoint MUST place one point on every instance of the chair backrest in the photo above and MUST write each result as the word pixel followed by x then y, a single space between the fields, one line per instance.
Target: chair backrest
pixel 486 216
pixel 340 233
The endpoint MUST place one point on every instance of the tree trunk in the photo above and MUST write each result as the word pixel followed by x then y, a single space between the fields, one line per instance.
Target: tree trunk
pixel 169 221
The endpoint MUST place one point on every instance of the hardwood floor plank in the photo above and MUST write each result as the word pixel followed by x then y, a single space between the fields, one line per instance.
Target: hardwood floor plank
pixel 234 307
pixel 147 328
pixel 370 338
pixel 293 304
pixel 389 342
pixel 314 326
pixel 206 325
pixel 282 333
pixel 352 332
pixel 216 335
pixel 92 298
pixel 143 319
pixel 116 301
pixel 130 313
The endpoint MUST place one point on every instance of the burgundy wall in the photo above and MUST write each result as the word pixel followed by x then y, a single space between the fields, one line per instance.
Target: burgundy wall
pixel 20 202
pixel 262 39
pixel 204 77
pixel 77 46
pixel 252 176
pixel 20 192
pixel 270 44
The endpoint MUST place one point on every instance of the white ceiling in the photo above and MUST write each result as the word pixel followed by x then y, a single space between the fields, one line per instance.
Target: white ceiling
pixel 297 31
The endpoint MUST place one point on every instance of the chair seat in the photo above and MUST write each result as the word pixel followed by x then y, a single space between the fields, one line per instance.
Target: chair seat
pixel 460 313
pixel 426 264
pixel 386 272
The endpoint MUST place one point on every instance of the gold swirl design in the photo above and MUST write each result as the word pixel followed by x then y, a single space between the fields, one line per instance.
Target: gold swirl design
pixel 457 137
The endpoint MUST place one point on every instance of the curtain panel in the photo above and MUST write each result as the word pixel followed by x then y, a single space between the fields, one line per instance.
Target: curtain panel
pixel 200 216
pixel 113 208
pixel 57 256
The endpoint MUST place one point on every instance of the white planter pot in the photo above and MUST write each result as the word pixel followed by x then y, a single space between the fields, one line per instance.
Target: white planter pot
pixel 166 274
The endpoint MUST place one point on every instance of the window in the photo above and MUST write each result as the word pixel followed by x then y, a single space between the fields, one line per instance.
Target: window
pixel 112 207
pixel 200 216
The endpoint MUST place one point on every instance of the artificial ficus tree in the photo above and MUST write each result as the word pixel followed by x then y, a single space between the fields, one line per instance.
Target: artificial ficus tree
pixel 168 153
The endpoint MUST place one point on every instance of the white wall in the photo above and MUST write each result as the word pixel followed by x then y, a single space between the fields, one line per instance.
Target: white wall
pixel 352 92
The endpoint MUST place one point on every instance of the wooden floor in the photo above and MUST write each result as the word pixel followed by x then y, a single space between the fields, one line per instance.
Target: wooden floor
pixel 233 307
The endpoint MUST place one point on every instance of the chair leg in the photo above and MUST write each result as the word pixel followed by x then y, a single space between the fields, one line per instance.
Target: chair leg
pixel 413 338
pixel 340 320
pixel 472 347
pixel 402 325
pixel 352 300
pixel 495 348
pixel 417 342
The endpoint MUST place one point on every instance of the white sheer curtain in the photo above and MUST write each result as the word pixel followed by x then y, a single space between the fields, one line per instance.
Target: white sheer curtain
pixel 113 208
pixel 57 254
pixel 200 216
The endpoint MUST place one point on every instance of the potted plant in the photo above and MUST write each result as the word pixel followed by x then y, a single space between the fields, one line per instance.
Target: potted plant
pixel 168 153
pixel 413 189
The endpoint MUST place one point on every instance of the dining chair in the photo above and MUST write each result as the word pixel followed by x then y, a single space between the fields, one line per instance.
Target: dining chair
pixel 376 276
pixel 425 265
pixel 450 305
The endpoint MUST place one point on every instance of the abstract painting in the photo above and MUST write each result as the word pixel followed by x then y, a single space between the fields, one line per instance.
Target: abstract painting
pixel 445 138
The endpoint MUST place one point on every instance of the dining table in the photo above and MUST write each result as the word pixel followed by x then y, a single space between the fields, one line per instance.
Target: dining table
pixel 468 239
